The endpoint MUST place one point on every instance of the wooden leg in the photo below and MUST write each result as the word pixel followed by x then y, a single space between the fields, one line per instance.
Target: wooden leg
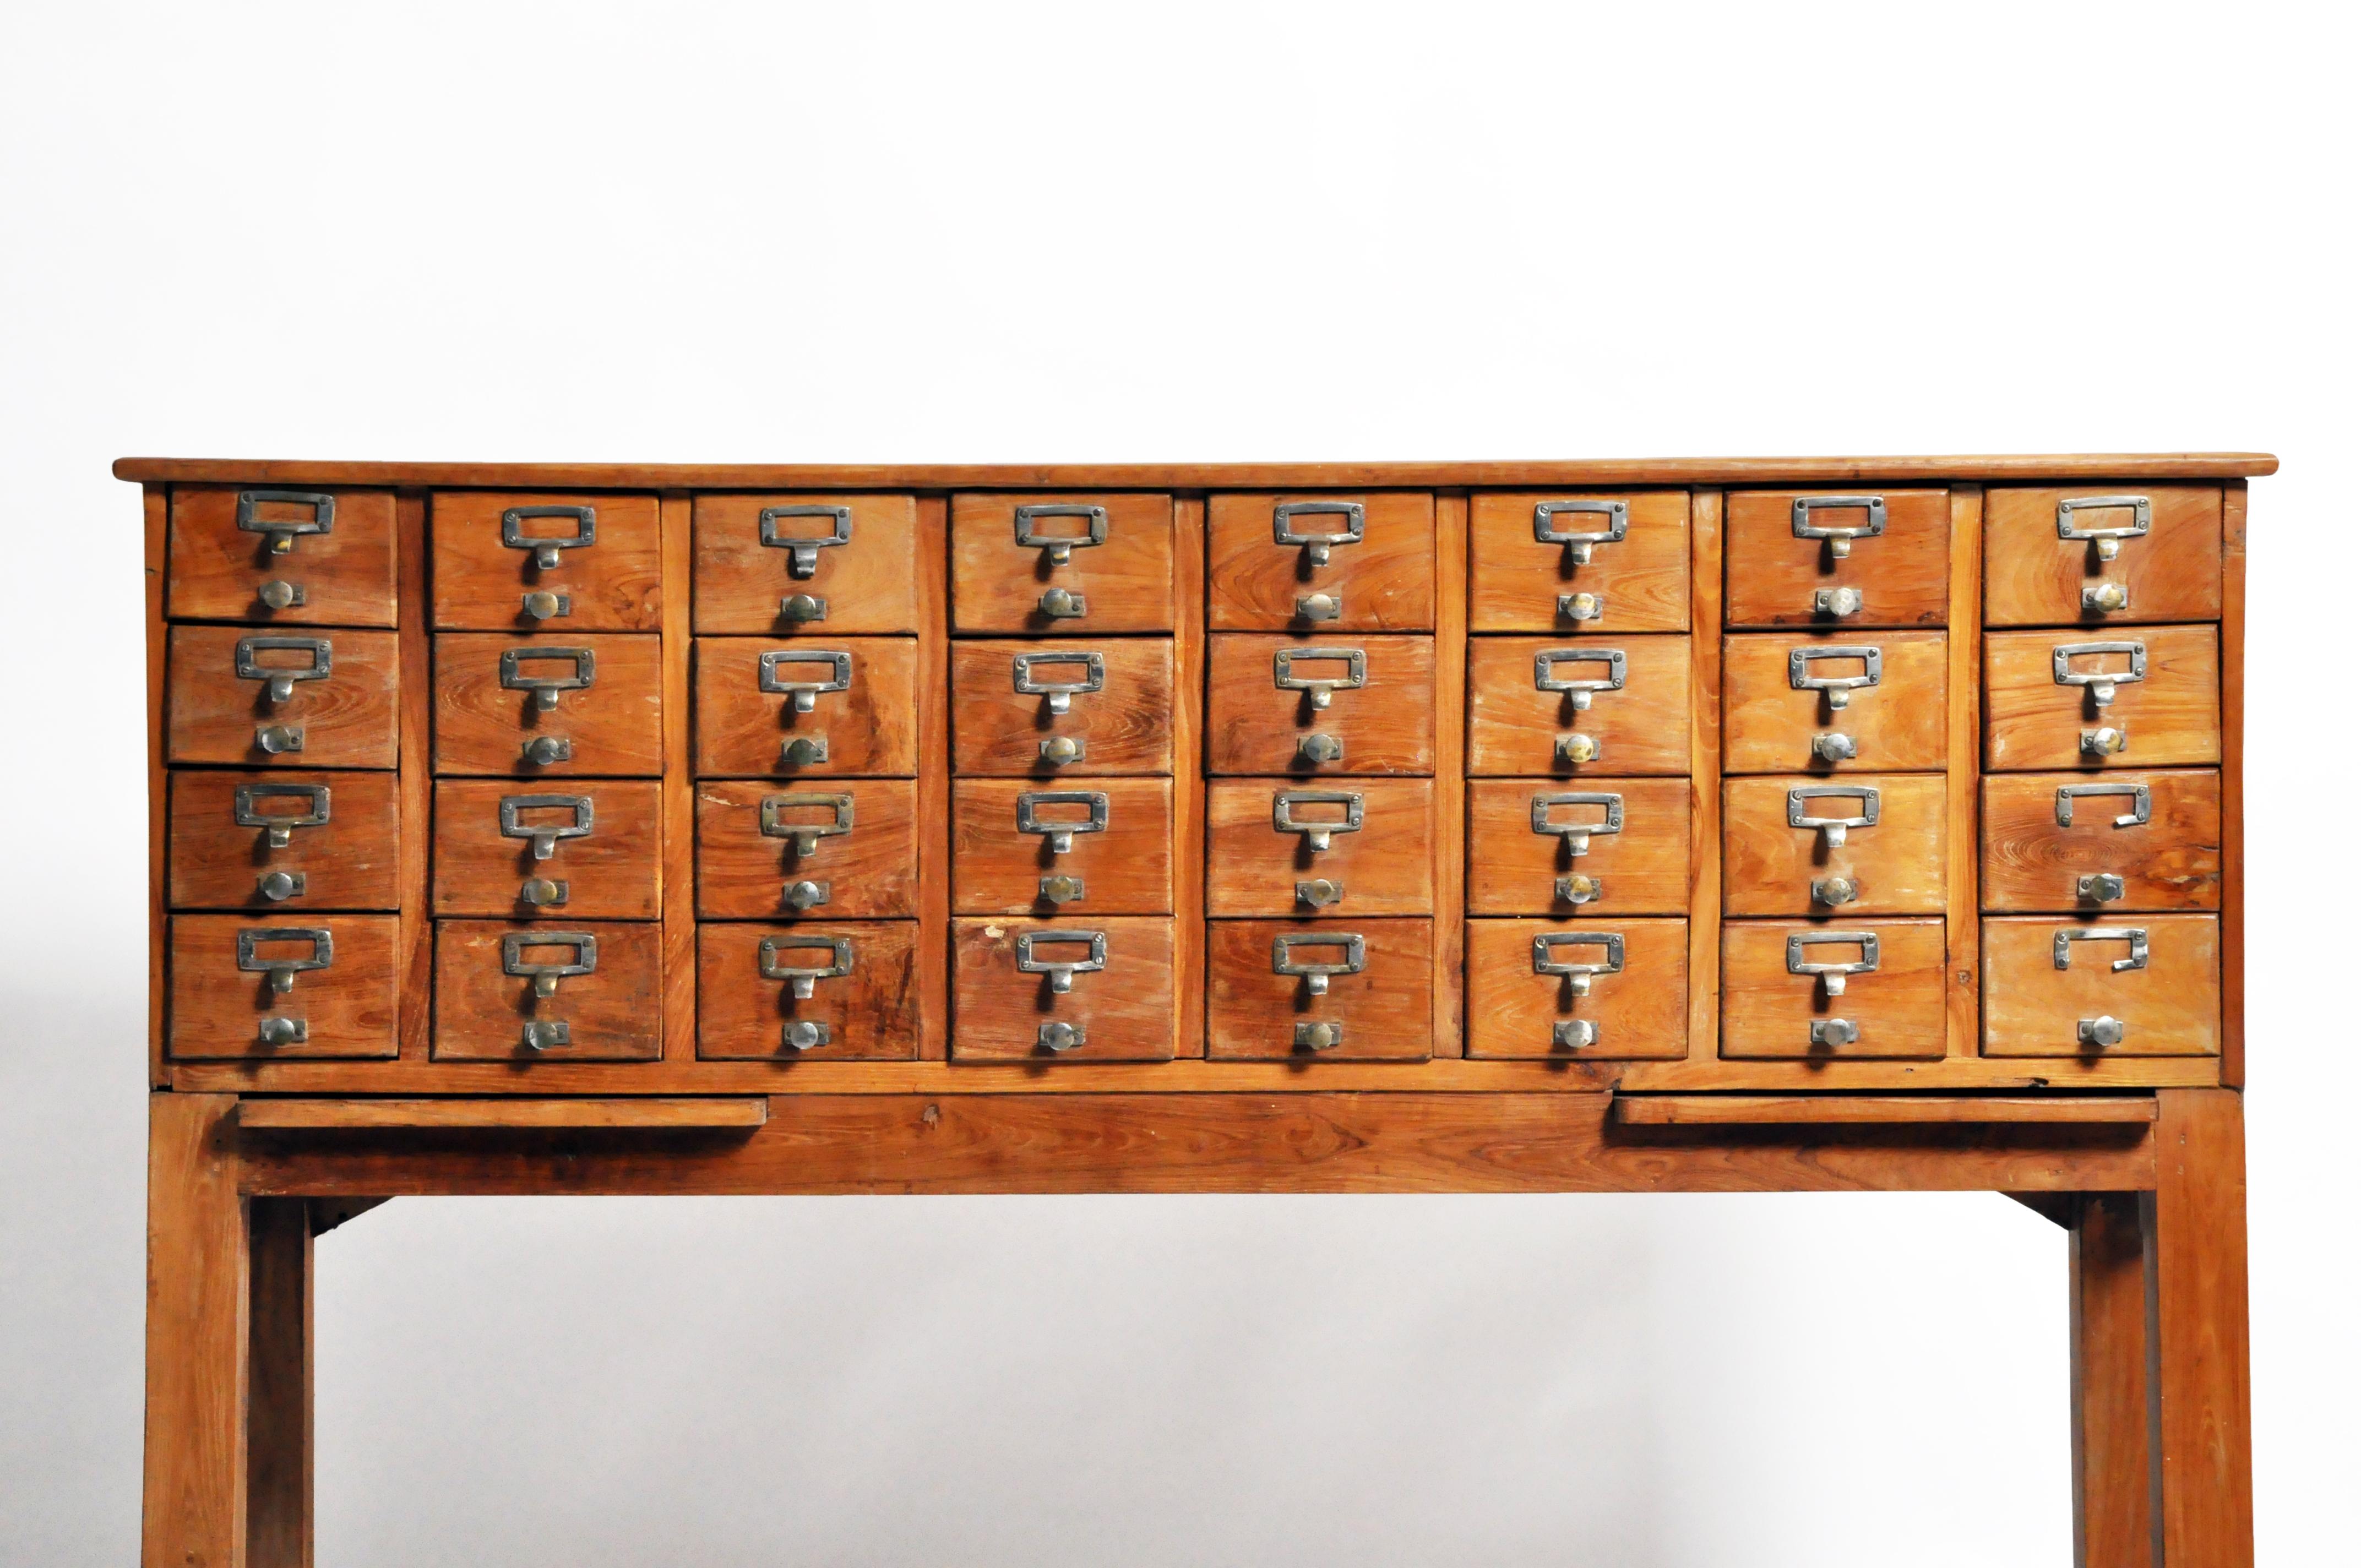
pixel 194 1501
pixel 2115 1456
pixel 278 1409
pixel 2199 1237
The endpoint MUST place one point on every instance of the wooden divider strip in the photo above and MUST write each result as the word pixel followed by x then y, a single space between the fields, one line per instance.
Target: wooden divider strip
pixel 934 779
pixel 1449 847
pixel 1189 776
pixel 2234 784
pixel 414 784
pixel 156 508
pixel 1705 775
pixel 1963 999
pixel 679 868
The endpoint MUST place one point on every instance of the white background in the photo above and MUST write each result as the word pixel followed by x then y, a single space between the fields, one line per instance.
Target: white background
pixel 1013 232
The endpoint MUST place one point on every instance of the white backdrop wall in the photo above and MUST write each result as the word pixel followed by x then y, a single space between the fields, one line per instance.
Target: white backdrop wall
pixel 1025 232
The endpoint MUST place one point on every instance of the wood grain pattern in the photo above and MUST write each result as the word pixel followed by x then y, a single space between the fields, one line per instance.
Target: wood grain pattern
pixel 615 872
pixel 1962 749
pixel 1704 777
pixel 415 784
pixel 1387 581
pixel 496 1115
pixel 1896 865
pixel 2172 860
pixel 194 1499
pixel 934 972
pixel 872 1013
pixel 2204 1418
pixel 1255 727
pixel 2034 578
pixel 1125 728
pixel 1125 1010
pixel 613 584
pixel 871 727
pixel 347 717
pixel 1125 582
pixel 155 526
pixel 1447 849
pixel 348 1008
pixel 872 871
pixel 1383 867
pixel 1515 581
pixel 2114 1455
pixel 677 867
pixel 2171 1006
pixel 1645 869
pixel 350 861
pixel 1904 574
pixel 1514 728
pixel 1896 726
pixel 870 582
pixel 1387 1009
pixel 1124 869
pixel 1641 1011
pixel 614 1013
pixel 1767 1012
pixel 278 1384
pixel 218 569
pixel 2171 719
pixel 1837 1110
pixel 2233 785
pixel 1189 786
pixel 616 724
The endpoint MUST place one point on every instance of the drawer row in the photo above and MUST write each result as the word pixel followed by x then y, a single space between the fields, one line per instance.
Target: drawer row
pixel 1613 562
pixel 1103 990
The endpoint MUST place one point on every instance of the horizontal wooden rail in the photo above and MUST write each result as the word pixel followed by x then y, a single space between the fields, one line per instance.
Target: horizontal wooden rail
pixel 379 1115
pixel 1820 1109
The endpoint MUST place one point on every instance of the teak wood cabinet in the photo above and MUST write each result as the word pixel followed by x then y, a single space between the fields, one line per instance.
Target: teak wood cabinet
pixel 1751 824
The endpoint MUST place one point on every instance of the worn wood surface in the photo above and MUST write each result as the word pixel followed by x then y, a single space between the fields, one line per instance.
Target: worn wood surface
pixel 1383 867
pixel 1641 1011
pixel 1962 750
pixel 613 584
pixel 1125 582
pixel 2203 1422
pixel 218 569
pixel 2034 578
pixel 677 890
pixel 1896 726
pixel 380 1116
pixel 348 1009
pixel 2170 1007
pixel 155 510
pixel 1124 727
pixel 1387 581
pixel 2233 785
pixel 1643 869
pixel 415 783
pixel 1124 1009
pixel 1898 1007
pixel 1896 865
pixel 194 1504
pixel 613 874
pixel 350 861
pixel 347 717
pixel 2172 861
pixel 278 1450
pixel 1387 1009
pixel 1514 728
pixel 1446 850
pixel 2113 1388
pixel 872 871
pixel 870 582
pixel 615 1013
pixel 872 1013
pixel 1902 575
pixel 1125 868
pixel 616 723
pixel 1256 726
pixel 934 971
pixel 871 727
pixel 2171 719
pixel 1822 1110
pixel 1515 580
pixel 1707 742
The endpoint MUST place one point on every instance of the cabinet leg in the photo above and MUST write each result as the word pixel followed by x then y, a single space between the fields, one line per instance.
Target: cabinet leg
pixel 2198 1240
pixel 279 1367
pixel 2115 1474
pixel 193 1490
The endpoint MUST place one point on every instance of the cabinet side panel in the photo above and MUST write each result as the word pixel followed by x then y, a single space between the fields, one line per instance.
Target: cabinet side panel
pixel 2234 784
pixel 156 501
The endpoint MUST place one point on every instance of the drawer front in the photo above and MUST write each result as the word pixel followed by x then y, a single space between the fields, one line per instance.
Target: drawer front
pixel 1832 994
pixel 548 707
pixel 1838 558
pixel 1085 847
pixel 1282 706
pixel 2149 986
pixel 2066 843
pixel 2096 553
pixel 831 849
pixel 2119 697
pixel 1357 847
pixel 1842 705
pixel 1605 990
pixel 584 850
pixel 1061 564
pixel 1866 844
pixel 806 709
pixel 290 842
pixel 1045 710
pixel 287 699
pixel 1556 561
pixel 1064 990
pixel 1318 564
pixel 1545 706
pixel 1320 989
pixel 306 986
pixel 817 567
pixel 858 980
pixel 604 981
pixel 505 561
pixel 282 556
pixel 1608 847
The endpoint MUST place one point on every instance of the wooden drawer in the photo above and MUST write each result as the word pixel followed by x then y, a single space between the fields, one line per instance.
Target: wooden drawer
pixel 1088 847
pixel 2145 986
pixel 286 556
pixel 2065 842
pixel 861 977
pixel 287 699
pixel 2094 553
pixel 1374 1001
pixel 1610 847
pixel 605 981
pixel 1117 1004
pixel 1776 1002
pixel 1320 564
pixel 505 561
pixel 1265 710
pixel 1116 696
pixel 1539 706
pixel 556 706
pixel 833 849
pixel 1600 990
pixel 1352 848
pixel 1061 564
pixel 817 566
pixel 1787 707
pixel 1554 561
pixel 1838 558
pixel 340 996
pixel 584 850
pixel 808 709
pixel 261 841
pixel 1867 844
pixel 2044 691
